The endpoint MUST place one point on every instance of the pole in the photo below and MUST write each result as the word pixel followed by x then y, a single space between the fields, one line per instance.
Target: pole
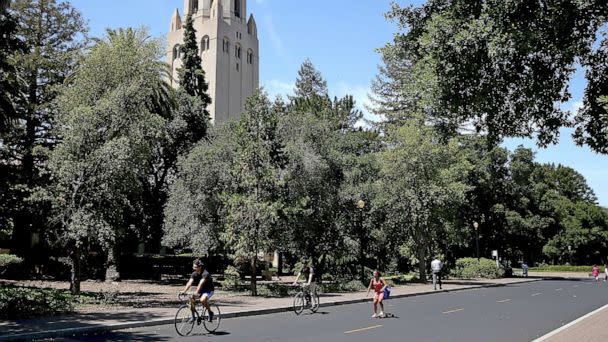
pixel 477 242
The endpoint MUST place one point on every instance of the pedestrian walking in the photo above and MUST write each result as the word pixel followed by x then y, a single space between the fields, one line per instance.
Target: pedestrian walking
pixel 595 272
pixel 524 269
pixel 436 266
pixel 605 271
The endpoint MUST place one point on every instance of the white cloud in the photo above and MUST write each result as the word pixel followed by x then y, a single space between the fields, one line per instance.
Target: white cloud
pixel 274 37
pixel 278 87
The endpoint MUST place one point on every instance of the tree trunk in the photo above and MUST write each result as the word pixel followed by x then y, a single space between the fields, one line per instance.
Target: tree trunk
pixel 280 265
pixel 75 276
pixel 422 263
pixel 254 264
pixel 112 273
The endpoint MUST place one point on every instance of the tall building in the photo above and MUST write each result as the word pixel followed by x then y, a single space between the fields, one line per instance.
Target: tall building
pixel 229 49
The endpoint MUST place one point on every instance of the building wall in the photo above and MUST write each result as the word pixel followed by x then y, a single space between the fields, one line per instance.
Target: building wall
pixel 231 79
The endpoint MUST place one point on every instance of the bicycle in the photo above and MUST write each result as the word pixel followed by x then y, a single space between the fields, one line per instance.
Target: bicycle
pixel 194 313
pixel 306 300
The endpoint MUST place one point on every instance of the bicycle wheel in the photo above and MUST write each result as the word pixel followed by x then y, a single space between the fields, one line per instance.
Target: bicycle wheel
pixel 298 303
pixel 314 306
pixel 184 322
pixel 212 324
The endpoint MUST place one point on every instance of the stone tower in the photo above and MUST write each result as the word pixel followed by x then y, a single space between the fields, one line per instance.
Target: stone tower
pixel 229 48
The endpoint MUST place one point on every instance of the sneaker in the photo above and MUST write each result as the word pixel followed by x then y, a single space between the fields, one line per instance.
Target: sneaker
pixel 374 316
pixel 381 315
pixel 191 319
pixel 210 316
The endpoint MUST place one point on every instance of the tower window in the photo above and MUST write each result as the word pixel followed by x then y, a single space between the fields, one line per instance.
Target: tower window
pixel 250 57
pixel 226 45
pixel 237 51
pixel 177 52
pixel 193 6
pixel 237 8
pixel 205 43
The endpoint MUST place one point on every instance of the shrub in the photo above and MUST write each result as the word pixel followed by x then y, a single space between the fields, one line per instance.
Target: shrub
pixel 24 302
pixel 232 278
pixel 469 268
pixel 9 259
pixel 337 287
pixel 561 268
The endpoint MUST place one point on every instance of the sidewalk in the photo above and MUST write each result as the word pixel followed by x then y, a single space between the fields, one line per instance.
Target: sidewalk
pixel 589 328
pixel 231 306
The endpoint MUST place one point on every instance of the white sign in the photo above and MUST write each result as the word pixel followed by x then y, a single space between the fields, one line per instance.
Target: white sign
pixel 495 253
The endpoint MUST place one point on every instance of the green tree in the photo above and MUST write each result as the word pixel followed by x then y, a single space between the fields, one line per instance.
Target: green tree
pixel 310 82
pixel 255 203
pixel 421 185
pixel 108 121
pixel 53 34
pixel 9 85
pixel 191 74
pixel 498 66
pixel 195 214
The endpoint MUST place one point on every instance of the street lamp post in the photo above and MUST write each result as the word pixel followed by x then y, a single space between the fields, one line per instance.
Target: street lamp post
pixel 476 226
pixel 361 206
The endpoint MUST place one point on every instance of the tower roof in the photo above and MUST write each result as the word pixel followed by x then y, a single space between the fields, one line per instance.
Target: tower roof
pixel 176 21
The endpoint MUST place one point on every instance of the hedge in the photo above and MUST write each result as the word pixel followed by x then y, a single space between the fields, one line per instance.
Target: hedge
pixel 8 259
pixel 24 302
pixel 563 268
pixel 472 268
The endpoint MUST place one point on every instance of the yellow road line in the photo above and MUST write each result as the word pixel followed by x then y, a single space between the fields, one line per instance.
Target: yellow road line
pixel 363 329
pixel 503 301
pixel 451 311
pixel 536 294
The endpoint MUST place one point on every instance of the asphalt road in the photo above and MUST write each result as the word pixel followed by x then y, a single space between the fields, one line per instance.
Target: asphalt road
pixel 512 313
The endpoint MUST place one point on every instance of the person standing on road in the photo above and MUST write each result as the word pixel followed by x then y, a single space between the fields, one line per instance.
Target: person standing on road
pixel 436 266
pixel 595 272
pixel 201 278
pixel 378 284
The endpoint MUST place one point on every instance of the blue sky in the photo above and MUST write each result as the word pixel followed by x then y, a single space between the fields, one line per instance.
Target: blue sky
pixel 340 37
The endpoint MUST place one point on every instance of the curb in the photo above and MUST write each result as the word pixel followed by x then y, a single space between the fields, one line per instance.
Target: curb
pixel 71 332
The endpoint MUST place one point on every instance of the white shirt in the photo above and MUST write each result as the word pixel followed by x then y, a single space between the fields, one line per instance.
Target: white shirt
pixel 436 265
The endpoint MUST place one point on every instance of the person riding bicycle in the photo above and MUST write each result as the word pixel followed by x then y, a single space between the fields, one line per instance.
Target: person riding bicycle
pixel 204 285
pixel 308 272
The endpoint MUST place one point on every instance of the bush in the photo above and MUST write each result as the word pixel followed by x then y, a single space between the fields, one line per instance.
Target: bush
pixel 561 268
pixel 24 302
pixel 232 278
pixel 9 259
pixel 338 287
pixel 470 268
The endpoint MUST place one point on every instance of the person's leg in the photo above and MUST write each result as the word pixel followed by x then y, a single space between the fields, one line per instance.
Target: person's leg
pixel 439 280
pixel 380 301
pixel 205 301
pixel 434 280
pixel 375 305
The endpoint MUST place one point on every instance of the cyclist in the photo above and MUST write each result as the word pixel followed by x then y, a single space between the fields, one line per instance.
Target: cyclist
pixel 308 272
pixel 204 285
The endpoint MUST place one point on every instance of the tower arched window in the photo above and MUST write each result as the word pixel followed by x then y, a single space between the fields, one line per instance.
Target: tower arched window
pixel 237 51
pixel 193 6
pixel 250 56
pixel 205 44
pixel 177 52
pixel 237 8
pixel 226 45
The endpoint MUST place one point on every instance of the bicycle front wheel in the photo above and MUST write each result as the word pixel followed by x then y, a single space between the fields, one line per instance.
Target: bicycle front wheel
pixel 298 303
pixel 184 321
pixel 314 306
pixel 212 322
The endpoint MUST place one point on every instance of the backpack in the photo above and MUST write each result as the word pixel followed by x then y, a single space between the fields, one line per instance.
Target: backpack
pixel 387 292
